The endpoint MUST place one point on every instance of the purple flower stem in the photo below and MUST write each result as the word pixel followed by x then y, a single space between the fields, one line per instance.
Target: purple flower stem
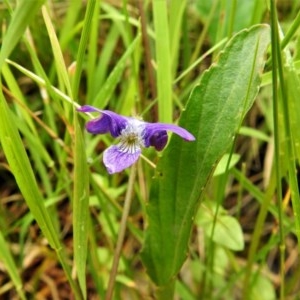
pixel 121 235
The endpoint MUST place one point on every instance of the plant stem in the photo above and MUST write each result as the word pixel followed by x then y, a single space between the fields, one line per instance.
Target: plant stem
pixel 166 291
pixel 127 204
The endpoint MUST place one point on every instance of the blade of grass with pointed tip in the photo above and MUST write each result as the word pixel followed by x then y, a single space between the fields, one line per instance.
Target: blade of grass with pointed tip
pixel 20 167
pixel 57 52
pixel 80 206
pixel 43 82
pixel 213 114
pixel 8 261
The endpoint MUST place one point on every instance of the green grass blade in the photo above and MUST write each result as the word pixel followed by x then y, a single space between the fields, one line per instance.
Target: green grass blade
pixel 58 56
pixel 290 106
pixel 92 58
pixel 281 105
pixel 103 64
pixel 21 169
pixel 42 82
pixel 80 206
pixel 291 31
pixel 22 16
pixel 176 12
pixel 163 61
pixel 114 77
pixel 8 261
pixel 83 45
pixel 213 115
pixel 17 93
pixel 66 32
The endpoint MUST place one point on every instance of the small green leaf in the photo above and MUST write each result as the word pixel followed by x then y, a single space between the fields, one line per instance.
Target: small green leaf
pixel 262 288
pixel 222 165
pixel 227 231
pixel 213 114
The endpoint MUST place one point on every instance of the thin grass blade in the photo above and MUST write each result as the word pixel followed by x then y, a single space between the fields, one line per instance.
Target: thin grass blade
pixel 107 89
pixel 8 261
pixel 83 45
pixel 80 206
pixel 163 61
pixel 21 169
pixel 56 48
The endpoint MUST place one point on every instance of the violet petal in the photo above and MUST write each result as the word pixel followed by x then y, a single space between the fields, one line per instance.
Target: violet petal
pixel 88 108
pixel 159 140
pixel 116 161
pixel 155 134
pixel 107 122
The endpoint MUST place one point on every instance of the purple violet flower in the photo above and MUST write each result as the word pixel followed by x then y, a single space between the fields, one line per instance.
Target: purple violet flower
pixel 133 135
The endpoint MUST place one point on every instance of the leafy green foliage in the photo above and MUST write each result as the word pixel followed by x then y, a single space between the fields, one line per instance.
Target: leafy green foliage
pixel 213 114
pixel 226 229
pixel 60 209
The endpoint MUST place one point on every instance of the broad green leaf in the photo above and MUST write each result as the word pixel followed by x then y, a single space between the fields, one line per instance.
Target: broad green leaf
pixel 21 18
pixel 227 231
pixel 262 288
pixel 213 114
pixel 80 206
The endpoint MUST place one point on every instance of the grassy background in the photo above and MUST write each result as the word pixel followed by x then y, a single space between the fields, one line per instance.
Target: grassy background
pixel 52 163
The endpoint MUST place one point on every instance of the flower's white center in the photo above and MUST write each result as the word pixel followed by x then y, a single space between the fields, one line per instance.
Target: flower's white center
pixel 131 138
